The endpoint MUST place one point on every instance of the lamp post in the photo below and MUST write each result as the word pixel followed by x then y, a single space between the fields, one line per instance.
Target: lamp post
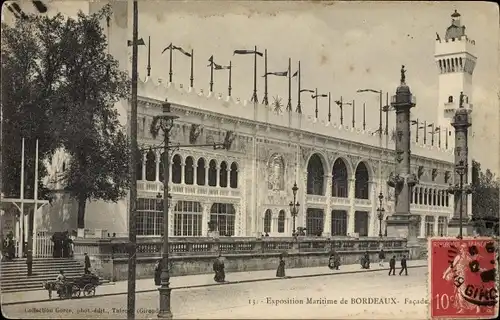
pixel 294 206
pixel 381 212
pixel 165 123
pixel 459 190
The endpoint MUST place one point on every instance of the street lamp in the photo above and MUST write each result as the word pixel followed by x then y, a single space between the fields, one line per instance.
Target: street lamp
pixel 294 206
pixel 460 189
pixel 381 212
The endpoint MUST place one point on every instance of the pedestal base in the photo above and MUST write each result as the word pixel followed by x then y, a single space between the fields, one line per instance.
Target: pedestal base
pixel 454 228
pixel 405 226
pixel 80 233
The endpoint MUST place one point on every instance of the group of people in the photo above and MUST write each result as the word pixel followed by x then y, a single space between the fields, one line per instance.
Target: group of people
pixel 9 247
pixel 63 244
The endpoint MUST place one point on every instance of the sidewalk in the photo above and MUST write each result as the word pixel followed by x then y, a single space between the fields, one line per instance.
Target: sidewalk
pixel 204 280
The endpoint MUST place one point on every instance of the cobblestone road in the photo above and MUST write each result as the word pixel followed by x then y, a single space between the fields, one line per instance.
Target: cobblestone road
pixel 335 297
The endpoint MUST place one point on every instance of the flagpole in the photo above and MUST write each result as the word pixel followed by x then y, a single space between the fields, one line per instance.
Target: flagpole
pixel 254 97
pixel 212 75
pixel 21 220
pixel 265 101
pixel 170 72
pixel 149 57
pixel 289 106
pixel 364 116
pixel 299 108
pixel 353 114
pixel 387 113
pixel 432 137
pixel 192 69
pixel 230 70
pixel 341 113
pixel 418 124
pixel 425 132
pixel 316 98
pixel 380 116
pixel 329 107
pixel 31 216
pixel 446 139
pixel 439 137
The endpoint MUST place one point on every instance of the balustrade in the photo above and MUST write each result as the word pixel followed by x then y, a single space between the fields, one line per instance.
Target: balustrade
pixel 152 186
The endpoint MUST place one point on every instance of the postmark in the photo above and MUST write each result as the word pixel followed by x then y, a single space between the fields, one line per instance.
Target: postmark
pixel 463 278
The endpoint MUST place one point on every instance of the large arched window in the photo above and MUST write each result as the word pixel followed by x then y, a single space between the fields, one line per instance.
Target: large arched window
pixel 281 221
pixel 200 172
pixel 223 216
pixel 314 222
pixel 233 176
pixel 361 185
pixel 429 226
pixel 212 173
pixel 162 162
pixel 150 166
pixel 189 171
pixel 339 223
pixel 149 217
pixel 223 174
pixel 339 179
pixel 315 176
pixel 187 219
pixel 176 169
pixel 268 215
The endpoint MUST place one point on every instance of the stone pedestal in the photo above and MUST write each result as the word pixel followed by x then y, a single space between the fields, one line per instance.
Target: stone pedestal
pixel 80 233
pixel 454 227
pixel 405 226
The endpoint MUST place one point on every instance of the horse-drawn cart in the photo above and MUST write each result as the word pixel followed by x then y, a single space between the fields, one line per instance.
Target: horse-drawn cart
pixel 74 288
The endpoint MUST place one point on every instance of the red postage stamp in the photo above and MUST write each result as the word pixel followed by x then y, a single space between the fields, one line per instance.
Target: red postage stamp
pixel 462 278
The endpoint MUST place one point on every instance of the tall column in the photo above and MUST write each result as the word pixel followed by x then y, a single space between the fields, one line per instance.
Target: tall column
pixel 422 227
pixel 373 218
pixel 301 220
pixel 327 223
pixel 144 167
pixel 183 167
pixel 217 176
pixel 195 174
pixel 157 166
pixel 205 218
pixel 207 167
pixel 352 208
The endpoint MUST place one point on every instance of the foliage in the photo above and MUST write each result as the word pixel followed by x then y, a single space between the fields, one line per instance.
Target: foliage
pixel 485 198
pixel 63 90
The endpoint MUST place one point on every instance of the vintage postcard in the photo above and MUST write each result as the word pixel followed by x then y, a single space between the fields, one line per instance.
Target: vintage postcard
pixel 227 159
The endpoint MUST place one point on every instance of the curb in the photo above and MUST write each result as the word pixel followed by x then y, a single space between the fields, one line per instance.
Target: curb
pixel 217 284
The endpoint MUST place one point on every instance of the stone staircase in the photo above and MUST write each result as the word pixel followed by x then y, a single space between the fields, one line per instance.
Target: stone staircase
pixel 14 274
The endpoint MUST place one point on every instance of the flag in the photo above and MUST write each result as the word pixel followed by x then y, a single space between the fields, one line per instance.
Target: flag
pixel 319 95
pixel 295 74
pixel 40 6
pixel 437 129
pixel 216 66
pixel 307 90
pixel 339 103
pixel 187 54
pixel 140 42
pixel 430 125
pixel 278 74
pixel 247 52
pixel 414 122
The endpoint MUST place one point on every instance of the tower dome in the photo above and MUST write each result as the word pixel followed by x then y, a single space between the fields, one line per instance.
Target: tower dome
pixel 455 30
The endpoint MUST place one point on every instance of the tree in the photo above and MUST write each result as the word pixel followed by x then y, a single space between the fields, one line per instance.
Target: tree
pixel 80 84
pixel 485 200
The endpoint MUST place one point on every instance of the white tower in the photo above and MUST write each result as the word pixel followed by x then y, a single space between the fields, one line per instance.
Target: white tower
pixel 455 57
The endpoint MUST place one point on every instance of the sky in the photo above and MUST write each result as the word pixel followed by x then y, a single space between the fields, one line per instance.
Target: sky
pixel 342 46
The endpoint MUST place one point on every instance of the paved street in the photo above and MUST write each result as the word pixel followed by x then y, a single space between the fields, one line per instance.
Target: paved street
pixel 306 298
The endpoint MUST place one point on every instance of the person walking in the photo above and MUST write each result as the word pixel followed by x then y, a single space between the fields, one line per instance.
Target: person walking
pixel 381 257
pixel 280 273
pixel 403 266
pixel 158 273
pixel 87 263
pixel 392 266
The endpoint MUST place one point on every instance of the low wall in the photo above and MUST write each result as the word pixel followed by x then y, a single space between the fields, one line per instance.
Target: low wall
pixel 195 255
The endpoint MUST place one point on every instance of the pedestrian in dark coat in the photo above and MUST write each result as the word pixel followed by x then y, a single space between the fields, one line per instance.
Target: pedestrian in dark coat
pixel 280 273
pixel 158 273
pixel 87 263
pixel 381 257
pixel 365 261
pixel 334 261
pixel 392 266
pixel 403 266
pixel 218 267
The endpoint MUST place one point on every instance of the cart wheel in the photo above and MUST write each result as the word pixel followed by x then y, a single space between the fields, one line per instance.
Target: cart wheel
pixel 89 290
pixel 76 291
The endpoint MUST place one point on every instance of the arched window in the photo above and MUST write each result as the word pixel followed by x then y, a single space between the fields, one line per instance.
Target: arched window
pixel 189 171
pixel 176 169
pixel 212 173
pixel 233 176
pixel 361 185
pixel 222 215
pixel 150 166
pixel 281 221
pixel 340 187
pixel 444 194
pixel 420 195
pixel 315 176
pixel 200 172
pixel 223 175
pixel 447 200
pixel 450 99
pixel 268 215
pixel 314 222
pixel 187 219
pixel 429 226
pixel 138 170
pixel 162 162
pixel 442 226
pixel 149 217
pixel 339 223
pixel 438 198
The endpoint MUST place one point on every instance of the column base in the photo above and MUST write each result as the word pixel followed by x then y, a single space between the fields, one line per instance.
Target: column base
pixel 80 233
pixel 454 227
